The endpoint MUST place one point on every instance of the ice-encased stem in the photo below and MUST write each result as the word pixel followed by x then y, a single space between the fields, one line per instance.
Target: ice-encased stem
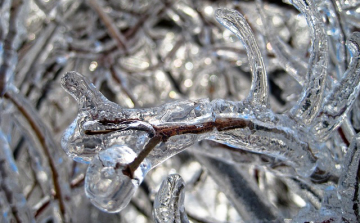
pixel 340 100
pixel 106 183
pixel 6 214
pixel 309 104
pixel 237 24
pixel 174 126
pixel 348 188
pixel 169 201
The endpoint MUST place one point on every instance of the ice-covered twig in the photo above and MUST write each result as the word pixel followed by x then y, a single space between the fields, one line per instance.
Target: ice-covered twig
pixel 237 24
pixel 38 165
pixel 231 123
pixel 156 134
pixel 340 100
pixel 348 188
pixel 106 184
pixel 169 201
pixel 116 76
pixel 5 209
pixel 309 104
pixel 348 129
pixel 27 62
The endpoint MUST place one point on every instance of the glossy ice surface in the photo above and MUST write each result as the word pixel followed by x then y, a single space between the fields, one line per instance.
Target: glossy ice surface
pixel 254 103
pixel 293 138
pixel 106 185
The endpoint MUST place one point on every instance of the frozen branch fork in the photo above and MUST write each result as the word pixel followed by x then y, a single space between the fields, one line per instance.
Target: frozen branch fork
pixel 122 145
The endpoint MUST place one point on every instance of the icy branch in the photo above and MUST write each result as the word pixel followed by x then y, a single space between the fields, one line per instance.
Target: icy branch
pixel 308 106
pixel 237 24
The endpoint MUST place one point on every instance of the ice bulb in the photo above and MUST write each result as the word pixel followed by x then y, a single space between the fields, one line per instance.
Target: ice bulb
pixel 106 182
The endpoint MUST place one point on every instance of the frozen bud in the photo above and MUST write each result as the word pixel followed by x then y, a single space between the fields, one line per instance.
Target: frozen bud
pixel 82 90
pixel 106 184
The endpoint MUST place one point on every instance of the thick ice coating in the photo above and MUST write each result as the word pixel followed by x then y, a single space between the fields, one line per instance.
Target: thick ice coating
pixel 179 124
pixel 106 184
pixel 110 137
pixel 237 24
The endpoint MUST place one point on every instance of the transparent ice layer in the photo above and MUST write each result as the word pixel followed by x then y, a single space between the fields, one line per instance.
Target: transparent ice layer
pixel 309 104
pixel 341 98
pixel 180 124
pixel 259 106
pixel 122 145
pixel 102 125
pixel 106 184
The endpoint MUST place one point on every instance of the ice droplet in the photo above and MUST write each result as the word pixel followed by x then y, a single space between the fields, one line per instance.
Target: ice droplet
pixel 106 184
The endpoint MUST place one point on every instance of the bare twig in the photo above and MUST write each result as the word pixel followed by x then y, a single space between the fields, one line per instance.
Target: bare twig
pixel 77 181
pixel 41 206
